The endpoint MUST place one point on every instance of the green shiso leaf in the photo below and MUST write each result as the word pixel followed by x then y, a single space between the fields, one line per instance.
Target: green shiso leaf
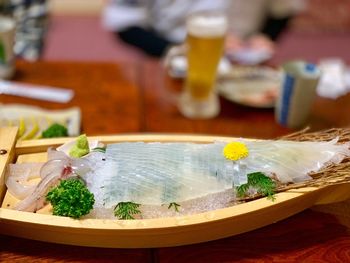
pixel 262 183
pixel 126 210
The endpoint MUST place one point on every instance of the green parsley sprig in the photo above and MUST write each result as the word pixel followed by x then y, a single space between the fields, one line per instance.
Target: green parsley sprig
pixel 54 131
pixel 71 198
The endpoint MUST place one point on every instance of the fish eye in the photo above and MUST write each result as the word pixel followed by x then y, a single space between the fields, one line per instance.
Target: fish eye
pixel 103 159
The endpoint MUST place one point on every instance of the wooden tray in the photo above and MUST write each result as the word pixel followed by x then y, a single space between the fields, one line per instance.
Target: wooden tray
pixel 148 232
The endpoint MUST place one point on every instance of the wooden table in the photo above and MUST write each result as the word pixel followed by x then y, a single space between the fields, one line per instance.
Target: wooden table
pixel 140 98
pixel 161 114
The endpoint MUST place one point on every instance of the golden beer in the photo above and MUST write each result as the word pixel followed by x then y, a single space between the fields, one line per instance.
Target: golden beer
pixel 203 56
pixel 206 33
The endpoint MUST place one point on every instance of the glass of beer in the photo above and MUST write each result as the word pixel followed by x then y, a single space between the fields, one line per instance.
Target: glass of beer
pixel 206 33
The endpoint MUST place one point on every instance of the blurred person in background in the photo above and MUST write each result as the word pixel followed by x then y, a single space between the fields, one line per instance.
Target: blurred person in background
pixel 257 24
pixel 154 25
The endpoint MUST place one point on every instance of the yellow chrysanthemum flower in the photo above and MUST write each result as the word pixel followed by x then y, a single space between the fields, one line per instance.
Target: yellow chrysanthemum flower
pixel 235 151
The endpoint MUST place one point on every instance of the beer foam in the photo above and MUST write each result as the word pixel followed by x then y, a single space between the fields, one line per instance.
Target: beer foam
pixel 207 25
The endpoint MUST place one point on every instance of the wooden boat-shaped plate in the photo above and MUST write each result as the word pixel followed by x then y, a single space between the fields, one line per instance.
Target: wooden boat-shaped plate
pixel 146 232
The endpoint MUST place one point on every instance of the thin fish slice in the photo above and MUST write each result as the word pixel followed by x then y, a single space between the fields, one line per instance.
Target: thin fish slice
pixel 290 161
pixel 18 176
pixel 160 173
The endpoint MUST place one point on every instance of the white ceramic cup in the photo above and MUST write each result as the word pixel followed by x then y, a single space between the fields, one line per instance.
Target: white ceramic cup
pixel 297 94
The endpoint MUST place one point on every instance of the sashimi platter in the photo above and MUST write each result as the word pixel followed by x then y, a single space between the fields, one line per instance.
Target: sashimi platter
pixel 159 190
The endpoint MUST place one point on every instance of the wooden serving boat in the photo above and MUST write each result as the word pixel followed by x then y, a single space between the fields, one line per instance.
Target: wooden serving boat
pixel 146 232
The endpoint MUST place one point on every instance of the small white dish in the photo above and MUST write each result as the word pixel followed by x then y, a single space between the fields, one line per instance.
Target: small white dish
pixel 252 86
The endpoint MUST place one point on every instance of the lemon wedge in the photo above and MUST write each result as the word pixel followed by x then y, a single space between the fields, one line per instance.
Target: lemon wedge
pixel 21 128
pixel 34 130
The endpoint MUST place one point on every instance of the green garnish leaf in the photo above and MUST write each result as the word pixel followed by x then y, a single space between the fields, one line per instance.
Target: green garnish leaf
pixel 71 198
pixel 175 206
pixel 2 53
pixel 54 131
pixel 126 210
pixel 262 183
pixel 99 149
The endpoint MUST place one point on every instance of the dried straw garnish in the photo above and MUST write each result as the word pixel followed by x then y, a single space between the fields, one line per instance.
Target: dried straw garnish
pixel 330 174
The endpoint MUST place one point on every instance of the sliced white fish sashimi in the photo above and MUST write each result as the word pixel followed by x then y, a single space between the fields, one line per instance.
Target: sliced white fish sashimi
pixel 291 161
pixel 33 197
pixel 160 173
pixel 18 176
